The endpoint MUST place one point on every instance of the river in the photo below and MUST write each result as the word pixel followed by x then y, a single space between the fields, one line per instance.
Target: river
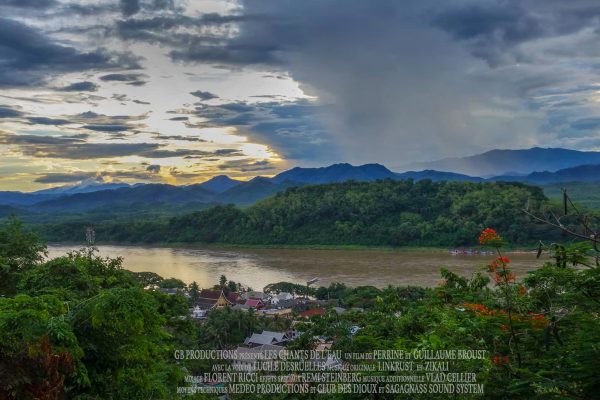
pixel 257 267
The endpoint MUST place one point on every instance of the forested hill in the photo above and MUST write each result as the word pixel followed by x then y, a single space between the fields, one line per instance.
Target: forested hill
pixel 386 213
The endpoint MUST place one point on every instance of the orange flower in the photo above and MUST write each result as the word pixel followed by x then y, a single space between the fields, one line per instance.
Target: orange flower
pixel 503 260
pixel 500 360
pixel 489 237
pixel 522 290
pixel 500 261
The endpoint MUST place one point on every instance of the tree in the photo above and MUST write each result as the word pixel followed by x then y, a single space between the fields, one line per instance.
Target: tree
pixel 222 281
pixel 19 249
pixel 194 291
pixel 172 283
pixel 232 286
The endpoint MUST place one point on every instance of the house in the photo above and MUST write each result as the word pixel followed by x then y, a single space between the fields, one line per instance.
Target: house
pixel 211 299
pixel 281 296
pixel 233 297
pixel 254 303
pixel 266 337
pixel 198 313
pixel 280 336
pixel 312 312
pixel 249 359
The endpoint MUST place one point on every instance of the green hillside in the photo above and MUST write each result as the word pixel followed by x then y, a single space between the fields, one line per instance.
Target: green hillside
pixel 381 213
pixel 586 193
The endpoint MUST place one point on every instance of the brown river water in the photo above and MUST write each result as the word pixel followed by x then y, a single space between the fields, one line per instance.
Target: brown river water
pixel 258 267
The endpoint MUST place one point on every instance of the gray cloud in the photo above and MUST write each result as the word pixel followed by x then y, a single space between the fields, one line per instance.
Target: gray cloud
pixel 64 177
pixel 154 168
pixel 80 87
pixel 75 147
pixel 107 128
pixel 34 4
pixel 129 79
pixel 204 95
pixel 130 7
pixel 247 165
pixel 28 56
pixel 9 112
pixel 402 81
pixel 291 128
pixel 180 137
pixel 48 121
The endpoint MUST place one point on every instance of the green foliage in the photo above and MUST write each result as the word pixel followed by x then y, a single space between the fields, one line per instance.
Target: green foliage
pixel 83 327
pixel 172 283
pixel 586 193
pixel 381 213
pixel 289 287
pixel 19 249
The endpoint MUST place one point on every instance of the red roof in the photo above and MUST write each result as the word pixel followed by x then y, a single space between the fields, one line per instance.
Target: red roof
pixel 254 303
pixel 312 312
pixel 233 297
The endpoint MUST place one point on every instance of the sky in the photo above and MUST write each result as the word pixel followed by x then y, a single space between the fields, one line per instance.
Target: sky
pixel 178 91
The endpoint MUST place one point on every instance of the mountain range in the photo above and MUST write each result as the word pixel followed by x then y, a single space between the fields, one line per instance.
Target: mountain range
pixel 512 162
pixel 224 190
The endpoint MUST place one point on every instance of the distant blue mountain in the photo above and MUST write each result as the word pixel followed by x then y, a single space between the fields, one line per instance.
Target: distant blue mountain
pixel 516 162
pixel 581 173
pixel 220 183
pixel 335 173
pixel 126 196
pixel 222 189
pixel 87 186
pixel 30 198
pixel 23 199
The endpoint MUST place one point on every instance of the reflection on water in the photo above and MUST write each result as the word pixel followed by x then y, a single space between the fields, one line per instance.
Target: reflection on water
pixel 258 267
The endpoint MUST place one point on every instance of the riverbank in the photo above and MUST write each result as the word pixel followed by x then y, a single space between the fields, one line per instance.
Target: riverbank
pixel 226 246
pixel 256 267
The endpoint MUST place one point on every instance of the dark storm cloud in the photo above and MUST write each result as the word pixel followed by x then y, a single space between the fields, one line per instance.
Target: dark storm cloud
pixel 64 177
pixel 107 128
pixel 409 80
pixel 73 147
pixel 291 128
pixel 28 56
pixel 204 95
pixel 113 124
pixel 154 168
pixel 180 137
pixel 130 7
pixel 493 30
pixel 8 112
pixel 35 4
pixel 129 79
pixel 80 87
pixel 48 121
pixel 246 165
pixel 396 81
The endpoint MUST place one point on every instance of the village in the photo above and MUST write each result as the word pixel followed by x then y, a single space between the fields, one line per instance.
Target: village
pixel 268 350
